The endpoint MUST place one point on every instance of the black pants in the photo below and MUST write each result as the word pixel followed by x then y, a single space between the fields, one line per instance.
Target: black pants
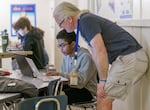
pixel 43 92
pixel 77 95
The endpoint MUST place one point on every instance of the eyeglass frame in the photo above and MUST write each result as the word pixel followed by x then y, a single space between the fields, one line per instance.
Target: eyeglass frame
pixel 62 45
pixel 61 22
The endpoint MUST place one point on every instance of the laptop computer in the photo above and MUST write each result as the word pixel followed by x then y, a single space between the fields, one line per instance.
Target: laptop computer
pixel 28 68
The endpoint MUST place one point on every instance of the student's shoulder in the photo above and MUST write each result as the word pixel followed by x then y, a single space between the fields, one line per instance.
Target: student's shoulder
pixel 84 52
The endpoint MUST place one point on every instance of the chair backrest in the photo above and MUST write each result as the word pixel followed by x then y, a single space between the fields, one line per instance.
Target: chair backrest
pixel 53 87
pixel 58 102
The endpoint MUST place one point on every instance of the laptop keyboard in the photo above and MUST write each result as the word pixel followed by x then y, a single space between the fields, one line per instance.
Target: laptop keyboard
pixel 44 78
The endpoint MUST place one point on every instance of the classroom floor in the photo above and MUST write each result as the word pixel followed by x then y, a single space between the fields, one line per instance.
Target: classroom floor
pixel 77 108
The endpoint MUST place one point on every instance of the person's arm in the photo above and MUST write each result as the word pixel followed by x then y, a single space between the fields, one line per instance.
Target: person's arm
pixel 99 55
pixel 62 72
pixel 28 43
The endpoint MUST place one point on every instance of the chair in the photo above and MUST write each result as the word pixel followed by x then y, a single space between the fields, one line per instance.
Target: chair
pixel 53 91
pixel 85 105
pixel 53 87
pixel 58 102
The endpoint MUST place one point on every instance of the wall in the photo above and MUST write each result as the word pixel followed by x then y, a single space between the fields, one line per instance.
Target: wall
pixel 43 17
pixel 139 27
pixel 140 9
pixel 139 97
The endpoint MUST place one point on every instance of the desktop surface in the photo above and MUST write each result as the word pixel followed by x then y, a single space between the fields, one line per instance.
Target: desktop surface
pixel 8 96
pixel 37 82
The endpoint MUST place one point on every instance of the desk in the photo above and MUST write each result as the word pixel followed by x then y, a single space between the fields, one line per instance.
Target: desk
pixel 12 54
pixel 5 97
pixel 37 82
pixel 8 96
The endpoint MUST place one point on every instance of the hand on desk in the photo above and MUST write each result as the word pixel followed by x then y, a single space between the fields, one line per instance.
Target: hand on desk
pixel 52 73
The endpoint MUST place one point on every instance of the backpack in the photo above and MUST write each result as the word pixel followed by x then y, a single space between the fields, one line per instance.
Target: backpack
pixel 11 85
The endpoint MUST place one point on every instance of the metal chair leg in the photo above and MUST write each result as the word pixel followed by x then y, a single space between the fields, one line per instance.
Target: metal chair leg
pixel 69 107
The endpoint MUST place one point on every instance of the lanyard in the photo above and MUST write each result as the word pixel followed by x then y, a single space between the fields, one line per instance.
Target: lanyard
pixel 77 42
pixel 77 36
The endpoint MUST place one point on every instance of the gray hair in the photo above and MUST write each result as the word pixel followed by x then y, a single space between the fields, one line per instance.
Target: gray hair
pixel 65 9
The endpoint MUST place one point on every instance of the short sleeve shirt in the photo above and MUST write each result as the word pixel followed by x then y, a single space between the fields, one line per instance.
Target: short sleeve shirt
pixel 117 41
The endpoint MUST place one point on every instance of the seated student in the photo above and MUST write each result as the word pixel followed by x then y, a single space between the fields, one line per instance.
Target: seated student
pixel 32 41
pixel 85 68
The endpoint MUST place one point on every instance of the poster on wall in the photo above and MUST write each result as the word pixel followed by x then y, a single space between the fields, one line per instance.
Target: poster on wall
pixel 111 5
pixel 20 10
pixel 126 9
pixel 98 6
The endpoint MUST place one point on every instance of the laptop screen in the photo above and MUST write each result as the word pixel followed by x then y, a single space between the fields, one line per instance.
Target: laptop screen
pixel 24 66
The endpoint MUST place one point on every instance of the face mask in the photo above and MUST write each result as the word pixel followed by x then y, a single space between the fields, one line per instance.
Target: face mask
pixel 21 32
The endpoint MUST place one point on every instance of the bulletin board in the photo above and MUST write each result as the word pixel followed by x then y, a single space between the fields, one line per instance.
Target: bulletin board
pixel 20 10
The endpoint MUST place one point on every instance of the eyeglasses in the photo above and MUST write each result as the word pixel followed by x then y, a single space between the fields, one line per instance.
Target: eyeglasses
pixel 62 45
pixel 61 22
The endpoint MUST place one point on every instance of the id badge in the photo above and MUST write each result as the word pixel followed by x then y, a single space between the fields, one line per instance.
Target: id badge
pixel 74 79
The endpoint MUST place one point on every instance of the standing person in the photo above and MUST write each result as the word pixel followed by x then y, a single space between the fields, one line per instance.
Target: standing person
pixel 32 41
pixel 109 44
pixel 85 68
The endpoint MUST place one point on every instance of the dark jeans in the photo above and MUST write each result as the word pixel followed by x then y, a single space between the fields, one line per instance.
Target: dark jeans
pixel 77 95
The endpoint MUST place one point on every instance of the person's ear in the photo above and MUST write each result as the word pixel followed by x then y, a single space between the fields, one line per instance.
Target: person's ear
pixel 70 19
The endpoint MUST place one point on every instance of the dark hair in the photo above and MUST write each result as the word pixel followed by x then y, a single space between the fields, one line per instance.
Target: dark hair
pixel 68 37
pixel 21 23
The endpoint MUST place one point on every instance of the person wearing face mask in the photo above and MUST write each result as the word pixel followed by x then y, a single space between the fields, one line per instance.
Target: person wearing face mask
pixel 32 41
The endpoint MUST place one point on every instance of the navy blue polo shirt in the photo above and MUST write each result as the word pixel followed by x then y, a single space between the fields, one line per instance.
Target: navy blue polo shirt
pixel 117 40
